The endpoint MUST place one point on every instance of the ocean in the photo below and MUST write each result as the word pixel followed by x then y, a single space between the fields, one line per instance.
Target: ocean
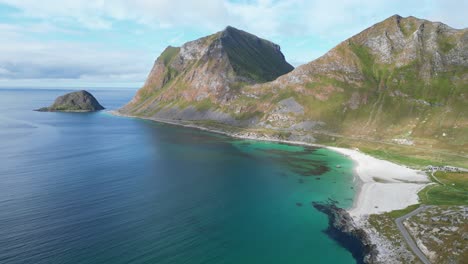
pixel 97 188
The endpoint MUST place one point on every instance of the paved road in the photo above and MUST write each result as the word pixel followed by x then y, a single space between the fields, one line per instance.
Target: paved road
pixel 408 238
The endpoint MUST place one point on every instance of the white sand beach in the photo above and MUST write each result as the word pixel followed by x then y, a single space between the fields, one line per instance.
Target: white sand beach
pixel 384 186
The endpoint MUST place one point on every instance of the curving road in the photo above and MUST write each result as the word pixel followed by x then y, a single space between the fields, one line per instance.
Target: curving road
pixel 407 236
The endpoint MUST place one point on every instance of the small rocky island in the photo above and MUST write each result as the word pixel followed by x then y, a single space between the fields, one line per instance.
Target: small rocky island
pixel 80 101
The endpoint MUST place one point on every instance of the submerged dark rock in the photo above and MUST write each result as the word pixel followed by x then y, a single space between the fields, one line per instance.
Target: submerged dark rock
pixel 80 101
pixel 342 229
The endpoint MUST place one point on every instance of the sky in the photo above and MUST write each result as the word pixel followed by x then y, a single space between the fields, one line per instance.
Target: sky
pixel 113 43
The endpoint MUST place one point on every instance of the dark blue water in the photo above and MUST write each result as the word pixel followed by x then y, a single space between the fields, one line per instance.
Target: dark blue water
pixel 95 188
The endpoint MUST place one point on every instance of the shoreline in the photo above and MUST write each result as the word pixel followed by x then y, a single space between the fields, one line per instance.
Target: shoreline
pixel 381 186
pixel 385 186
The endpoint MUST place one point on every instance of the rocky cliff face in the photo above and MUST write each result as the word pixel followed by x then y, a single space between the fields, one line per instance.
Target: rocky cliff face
pixel 80 101
pixel 341 228
pixel 205 74
pixel 401 80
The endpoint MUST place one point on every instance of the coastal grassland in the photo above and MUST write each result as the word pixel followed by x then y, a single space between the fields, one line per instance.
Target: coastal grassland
pixel 385 226
pixel 436 228
pixel 439 228
pixel 449 188
pixel 412 156
pixel 399 213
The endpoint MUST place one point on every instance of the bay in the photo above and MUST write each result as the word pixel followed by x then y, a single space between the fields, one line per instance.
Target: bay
pixel 96 188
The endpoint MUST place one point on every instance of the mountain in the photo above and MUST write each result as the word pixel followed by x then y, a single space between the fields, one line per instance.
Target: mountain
pixel 403 81
pixel 206 73
pixel 400 81
pixel 80 101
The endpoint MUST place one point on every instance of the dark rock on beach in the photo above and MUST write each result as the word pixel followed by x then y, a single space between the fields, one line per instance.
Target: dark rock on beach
pixel 342 229
pixel 80 101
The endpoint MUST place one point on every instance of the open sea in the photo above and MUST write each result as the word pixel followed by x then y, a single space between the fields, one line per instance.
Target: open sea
pixel 96 188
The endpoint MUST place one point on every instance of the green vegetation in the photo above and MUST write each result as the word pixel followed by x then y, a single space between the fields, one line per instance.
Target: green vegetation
pixel 67 108
pixel 283 135
pixel 415 157
pixel 385 225
pixel 169 54
pixel 365 104
pixel 445 44
pixel 436 235
pixel 439 228
pixel 248 115
pixel 204 105
pixel 450 188
pixel 367 61
pixel 79 101
pixel 253 57
pixel 283 94
pixel 407 28
pixel 398 213
pixel 401 159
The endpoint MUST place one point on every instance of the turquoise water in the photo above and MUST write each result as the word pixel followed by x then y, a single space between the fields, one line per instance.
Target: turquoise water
pixel 96 188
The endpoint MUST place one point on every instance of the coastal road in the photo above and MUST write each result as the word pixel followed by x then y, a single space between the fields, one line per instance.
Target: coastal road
pixel 399 221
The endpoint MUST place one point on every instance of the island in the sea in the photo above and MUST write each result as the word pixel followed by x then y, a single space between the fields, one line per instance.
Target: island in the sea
pixel 79 101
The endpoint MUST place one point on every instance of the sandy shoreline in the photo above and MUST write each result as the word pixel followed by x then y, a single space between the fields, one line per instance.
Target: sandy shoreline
pixel 382 186
pixel 385 186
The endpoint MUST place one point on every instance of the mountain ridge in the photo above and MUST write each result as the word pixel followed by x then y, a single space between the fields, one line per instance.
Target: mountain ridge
pixel 418 75
pixel 402 80
pixel 211 69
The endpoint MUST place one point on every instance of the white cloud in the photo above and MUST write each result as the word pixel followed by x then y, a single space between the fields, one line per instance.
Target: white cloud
pixel 22 58
pixel 265 16
pixel 330 21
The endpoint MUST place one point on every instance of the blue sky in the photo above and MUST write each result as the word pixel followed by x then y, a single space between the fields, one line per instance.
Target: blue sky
pixel 113 43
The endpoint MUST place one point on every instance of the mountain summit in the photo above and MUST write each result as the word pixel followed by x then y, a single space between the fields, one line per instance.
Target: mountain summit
pixel 400 81
pixel 207 71
pixel 403 80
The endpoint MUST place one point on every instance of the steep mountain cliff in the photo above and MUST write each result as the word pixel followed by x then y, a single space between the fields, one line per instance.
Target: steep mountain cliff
pixel 185 82
pixel 402 81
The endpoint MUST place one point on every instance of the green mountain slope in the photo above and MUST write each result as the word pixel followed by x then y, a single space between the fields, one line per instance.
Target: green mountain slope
pixel 403 81
pixel 206 73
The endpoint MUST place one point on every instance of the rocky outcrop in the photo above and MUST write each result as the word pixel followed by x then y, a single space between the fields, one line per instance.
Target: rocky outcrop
pixel 341 228
pixel 207 73
pixel 403 78
pixel 80 101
